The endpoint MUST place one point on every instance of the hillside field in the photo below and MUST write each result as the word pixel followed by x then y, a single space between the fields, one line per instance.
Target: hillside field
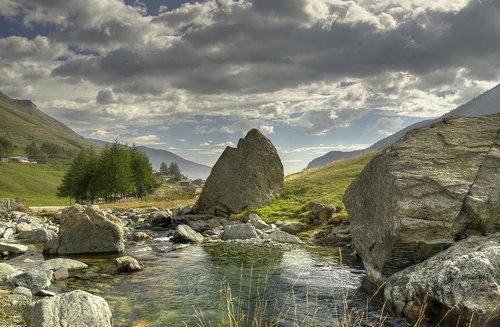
pixel 325 185
pixel 33 184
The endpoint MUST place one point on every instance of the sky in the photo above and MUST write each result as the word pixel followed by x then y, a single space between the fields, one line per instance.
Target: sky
pixel 193 77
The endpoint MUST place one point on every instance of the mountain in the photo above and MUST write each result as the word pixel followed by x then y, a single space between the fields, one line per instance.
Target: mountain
pixel 191 169
pixel 22 123
pixel 485 104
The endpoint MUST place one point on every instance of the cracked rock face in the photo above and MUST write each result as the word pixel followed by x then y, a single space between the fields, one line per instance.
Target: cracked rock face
pixel 244 177
pixel 437 185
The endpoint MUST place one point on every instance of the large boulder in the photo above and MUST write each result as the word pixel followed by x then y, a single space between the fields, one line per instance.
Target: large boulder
pixel 87 230
pixel 76 309
pixel 462 281
pixel 437 185
pixel 244 177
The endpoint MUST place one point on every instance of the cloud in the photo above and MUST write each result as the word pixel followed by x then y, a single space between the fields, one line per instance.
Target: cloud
pixel 389 125
pixel 105 97
pixel 148 140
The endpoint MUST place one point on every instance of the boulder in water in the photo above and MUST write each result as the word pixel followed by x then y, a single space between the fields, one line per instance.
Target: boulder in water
pixel 436 185
pixel 462 281
pixel 87 230
pixel 76 309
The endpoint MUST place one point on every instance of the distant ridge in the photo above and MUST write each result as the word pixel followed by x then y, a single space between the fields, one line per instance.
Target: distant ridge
pixel 156 156
pixel 22 123
pixel 485 104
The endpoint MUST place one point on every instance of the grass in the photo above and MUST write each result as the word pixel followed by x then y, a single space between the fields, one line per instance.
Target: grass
pixel 34 185
pixel 325 185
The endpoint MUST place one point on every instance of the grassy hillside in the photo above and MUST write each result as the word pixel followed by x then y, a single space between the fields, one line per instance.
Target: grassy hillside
pixel 36 184
pixel 325 185
pixel 22 123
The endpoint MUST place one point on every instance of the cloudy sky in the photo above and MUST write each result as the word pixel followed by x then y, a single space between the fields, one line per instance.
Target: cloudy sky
pixel 193 77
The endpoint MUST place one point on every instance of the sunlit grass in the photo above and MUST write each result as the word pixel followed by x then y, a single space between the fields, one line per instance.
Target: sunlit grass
pixel 325 185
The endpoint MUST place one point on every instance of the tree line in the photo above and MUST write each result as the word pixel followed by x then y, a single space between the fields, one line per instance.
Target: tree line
pixel 47 150
pixel 6 147
pixel 172 170
pixel 117 171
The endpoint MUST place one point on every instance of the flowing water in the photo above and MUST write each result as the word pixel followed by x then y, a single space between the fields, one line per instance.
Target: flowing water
pixel 296 285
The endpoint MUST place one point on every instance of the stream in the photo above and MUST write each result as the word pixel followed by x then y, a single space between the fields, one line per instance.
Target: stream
pixel 304 286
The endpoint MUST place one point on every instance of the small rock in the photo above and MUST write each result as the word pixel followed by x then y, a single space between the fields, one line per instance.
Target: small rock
pixel 141 236
pixel 69 264
pixel 322 211
pixel 45 293
pixel 293 227
pixel 13 248
pixel 185 234
pixel 6 270
pixel 128 264
pixel 239 232
pixel 283 237
pixel 20 290
pixel 35 280
pixel 61 274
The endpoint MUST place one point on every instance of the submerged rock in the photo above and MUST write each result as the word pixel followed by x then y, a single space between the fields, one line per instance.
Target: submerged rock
pixel 414 198
pixel 76 309
pixel 87 230
pixel 57 263
pixel 462 281
pixel 244 177
pixel 127 264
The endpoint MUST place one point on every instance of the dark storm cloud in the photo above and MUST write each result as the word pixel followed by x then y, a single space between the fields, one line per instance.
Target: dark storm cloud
pixel 270 45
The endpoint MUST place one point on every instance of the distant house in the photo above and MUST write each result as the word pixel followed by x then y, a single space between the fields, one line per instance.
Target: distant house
pixel 19 159
pixel 185 183
pixel 199 182
pixel 4 160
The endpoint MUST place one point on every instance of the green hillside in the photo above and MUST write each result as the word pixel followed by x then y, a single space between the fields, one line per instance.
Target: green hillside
pixel 34 184
pixel 22 122
pixel 325 185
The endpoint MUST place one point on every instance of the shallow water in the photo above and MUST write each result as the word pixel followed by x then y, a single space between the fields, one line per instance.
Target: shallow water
pixel 296 285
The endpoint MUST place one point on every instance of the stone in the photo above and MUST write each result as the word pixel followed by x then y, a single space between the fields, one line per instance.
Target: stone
pixel 6 270
pixel 127 264
pixel 283 237
pixel 45 293
pixel 61 274
pixel 185 234
pixel 239 232
pixel 23 291
pixel 463 280
pixel 293 227
pixel 413 198
pixel 257 222
pixel 87 230
pixel 7 205
pixel 13 248
pixel 161 219
pixel 24 231
pixel 321 211
pixel 140 237
pixel 35 280
pixel 76 309
pixel 8 234
pixel 245 177
pixel 57 263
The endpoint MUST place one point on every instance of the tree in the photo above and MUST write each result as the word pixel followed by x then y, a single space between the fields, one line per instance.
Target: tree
pixel 6 147
pixel 164 169
pixel 142 173
pixel 34 153
pixel 174 171
pixel 75 183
